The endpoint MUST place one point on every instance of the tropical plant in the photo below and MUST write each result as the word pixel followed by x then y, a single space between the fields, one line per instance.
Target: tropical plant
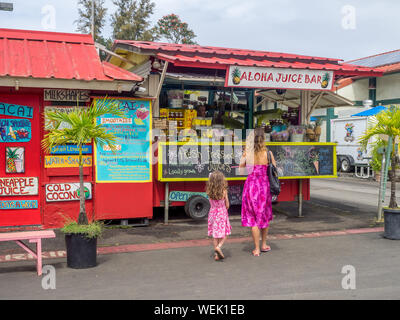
pixel 82 128
pixel 386 123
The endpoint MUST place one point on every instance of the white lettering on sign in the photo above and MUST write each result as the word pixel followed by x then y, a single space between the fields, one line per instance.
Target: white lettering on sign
pixel 19 186
pixel 116 120
pixel 278 78
pixel 67 191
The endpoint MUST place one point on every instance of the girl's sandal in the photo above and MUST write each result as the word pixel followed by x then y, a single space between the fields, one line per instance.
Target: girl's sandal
pixel 255 254
pixel 216 258
pixel 218 251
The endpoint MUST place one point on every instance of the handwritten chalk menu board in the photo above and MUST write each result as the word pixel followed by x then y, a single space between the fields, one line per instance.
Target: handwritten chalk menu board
pixel 195 161
pixel 132 160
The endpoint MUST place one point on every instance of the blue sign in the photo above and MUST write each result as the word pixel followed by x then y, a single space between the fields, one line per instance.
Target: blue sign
pixel 15 130
pixel 132 160
pixel 16 110
pixel 18 204
pixel 71 149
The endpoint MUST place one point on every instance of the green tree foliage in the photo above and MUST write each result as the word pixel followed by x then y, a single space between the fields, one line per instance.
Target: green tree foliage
pixel 174 30
pixel 131 21
pixel 84 22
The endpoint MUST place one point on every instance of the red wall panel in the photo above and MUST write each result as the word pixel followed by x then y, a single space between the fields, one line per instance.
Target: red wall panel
pixel 23 217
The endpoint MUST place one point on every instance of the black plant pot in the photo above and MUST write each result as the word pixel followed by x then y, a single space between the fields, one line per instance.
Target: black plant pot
pixel 81 251
pixel 392 223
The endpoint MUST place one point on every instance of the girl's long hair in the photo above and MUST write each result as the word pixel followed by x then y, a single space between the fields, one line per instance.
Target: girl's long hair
pixel 216 185
pixel 255 143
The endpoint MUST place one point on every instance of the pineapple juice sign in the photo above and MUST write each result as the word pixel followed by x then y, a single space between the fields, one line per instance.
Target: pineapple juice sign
pixel 19 186
pixel 131 162
pixel 277 78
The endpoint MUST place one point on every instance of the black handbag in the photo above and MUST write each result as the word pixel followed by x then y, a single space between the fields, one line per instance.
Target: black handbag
pixel 274 184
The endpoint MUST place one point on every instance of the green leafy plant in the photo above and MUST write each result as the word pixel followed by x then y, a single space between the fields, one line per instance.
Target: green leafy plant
pixel 386 123
pixel 82 128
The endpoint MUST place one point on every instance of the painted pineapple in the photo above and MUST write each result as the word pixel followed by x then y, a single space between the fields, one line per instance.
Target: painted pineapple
pixel 11 157
pixel 236 76
pixel 325 80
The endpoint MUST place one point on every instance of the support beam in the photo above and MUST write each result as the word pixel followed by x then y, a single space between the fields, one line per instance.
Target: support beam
pixel 317 100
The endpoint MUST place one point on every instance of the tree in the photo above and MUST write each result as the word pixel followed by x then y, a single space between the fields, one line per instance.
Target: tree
pixel 131 21
pixel 174 30
pixel 387 123
pixel 84 22
pixel 82 129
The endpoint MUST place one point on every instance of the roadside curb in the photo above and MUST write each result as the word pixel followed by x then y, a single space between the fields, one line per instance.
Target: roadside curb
pixel 186 244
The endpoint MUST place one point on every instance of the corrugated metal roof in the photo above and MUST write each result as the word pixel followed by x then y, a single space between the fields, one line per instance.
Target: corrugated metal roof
pixel 194 55
pixel 38 54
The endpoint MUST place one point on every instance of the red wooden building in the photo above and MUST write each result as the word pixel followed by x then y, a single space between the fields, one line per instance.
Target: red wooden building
pixel 40 70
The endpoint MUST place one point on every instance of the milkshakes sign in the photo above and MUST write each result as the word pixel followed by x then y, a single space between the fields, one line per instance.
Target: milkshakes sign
pixel 279 78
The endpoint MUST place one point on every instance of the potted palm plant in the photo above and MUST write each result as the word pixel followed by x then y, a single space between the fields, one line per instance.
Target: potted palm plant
pixel 387 124
pixel 79 127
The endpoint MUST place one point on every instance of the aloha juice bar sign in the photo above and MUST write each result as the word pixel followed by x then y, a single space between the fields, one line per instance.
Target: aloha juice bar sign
pixel 278 78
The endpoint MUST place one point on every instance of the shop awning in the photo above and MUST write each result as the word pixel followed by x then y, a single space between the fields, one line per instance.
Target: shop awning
pixel 53 55
pixel 291 98
pixel 196 56
pixel 370 112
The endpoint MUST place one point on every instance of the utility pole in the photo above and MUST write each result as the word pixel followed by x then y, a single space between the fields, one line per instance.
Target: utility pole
pixel 93 18
pixel 6 6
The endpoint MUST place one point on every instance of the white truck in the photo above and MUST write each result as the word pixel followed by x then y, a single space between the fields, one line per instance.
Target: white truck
pixel 346 132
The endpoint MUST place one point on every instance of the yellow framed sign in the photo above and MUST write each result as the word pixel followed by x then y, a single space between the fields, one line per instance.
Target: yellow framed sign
pixel 194 161
pixel 70 161
pixel 132 160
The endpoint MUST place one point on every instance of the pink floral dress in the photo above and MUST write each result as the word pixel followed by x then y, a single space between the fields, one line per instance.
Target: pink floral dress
pixel 218 220
pixel 256 198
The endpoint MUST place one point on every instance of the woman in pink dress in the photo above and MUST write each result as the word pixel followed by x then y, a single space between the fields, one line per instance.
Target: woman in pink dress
pixel 218 221
pixel 256 198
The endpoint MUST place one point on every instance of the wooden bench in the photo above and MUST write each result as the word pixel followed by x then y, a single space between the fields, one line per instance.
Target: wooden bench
pixel 32 236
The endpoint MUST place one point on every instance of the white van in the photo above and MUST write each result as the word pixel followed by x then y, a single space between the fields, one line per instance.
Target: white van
pixel 346 132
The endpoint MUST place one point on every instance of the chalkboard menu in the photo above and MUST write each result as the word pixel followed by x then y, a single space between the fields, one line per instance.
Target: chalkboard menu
pixel 195 161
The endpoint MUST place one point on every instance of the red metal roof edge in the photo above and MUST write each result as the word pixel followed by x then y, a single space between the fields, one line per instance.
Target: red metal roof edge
pixel 340 68
pixel 232 51
pixel 46 36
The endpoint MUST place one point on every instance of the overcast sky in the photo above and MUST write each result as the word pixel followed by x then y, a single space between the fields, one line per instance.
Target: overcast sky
pixel 338 29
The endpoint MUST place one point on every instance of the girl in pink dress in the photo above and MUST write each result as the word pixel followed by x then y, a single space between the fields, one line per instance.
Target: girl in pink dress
pixel 218 221
pixel 256 197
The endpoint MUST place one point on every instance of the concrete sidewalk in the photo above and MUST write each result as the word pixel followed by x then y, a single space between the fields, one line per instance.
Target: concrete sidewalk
pixel 317 217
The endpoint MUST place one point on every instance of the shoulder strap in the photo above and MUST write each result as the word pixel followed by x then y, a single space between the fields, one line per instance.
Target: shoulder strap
pixel 269 157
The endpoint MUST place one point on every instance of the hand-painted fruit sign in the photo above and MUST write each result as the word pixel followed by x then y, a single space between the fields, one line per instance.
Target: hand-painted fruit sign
pixel 19 186
pixel 15 130
pixel 278 78
pixel 66 161
pixel 66 192
pixel 18 204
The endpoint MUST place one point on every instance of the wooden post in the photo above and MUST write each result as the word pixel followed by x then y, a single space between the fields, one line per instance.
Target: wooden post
pixel 166 203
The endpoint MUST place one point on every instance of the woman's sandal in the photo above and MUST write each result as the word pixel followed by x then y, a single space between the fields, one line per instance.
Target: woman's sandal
pixel 255 254
pixel 218 251
pixel 216 258
pixel 266 249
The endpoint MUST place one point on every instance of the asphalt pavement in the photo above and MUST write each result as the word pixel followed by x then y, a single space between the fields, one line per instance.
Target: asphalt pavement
pixel 295 269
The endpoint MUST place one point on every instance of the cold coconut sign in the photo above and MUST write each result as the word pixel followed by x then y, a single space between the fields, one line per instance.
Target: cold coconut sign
pixel 279 78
